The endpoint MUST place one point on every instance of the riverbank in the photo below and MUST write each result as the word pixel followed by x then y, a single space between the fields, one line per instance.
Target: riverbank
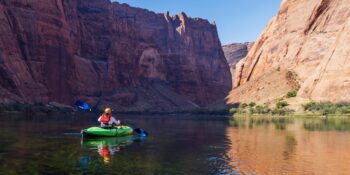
pixel 52 108
pixel 307 109
pixel 311 109
pixel 35 108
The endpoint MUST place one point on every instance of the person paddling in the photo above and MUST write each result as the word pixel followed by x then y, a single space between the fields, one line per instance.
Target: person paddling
pixel 107 120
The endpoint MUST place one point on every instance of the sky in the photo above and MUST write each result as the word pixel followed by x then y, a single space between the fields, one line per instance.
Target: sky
pixel 237 20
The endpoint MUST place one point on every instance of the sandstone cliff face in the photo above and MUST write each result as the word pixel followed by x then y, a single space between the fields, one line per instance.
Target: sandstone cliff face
pixel 309 38
pixel 108 54
pixel 234 53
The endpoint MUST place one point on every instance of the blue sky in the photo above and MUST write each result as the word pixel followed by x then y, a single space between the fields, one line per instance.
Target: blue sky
pixel 237 20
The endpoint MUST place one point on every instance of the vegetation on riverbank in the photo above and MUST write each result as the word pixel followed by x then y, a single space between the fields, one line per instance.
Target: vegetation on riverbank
pixel 330 123
pixel 252 108
pixel 327 108
pixel 281 108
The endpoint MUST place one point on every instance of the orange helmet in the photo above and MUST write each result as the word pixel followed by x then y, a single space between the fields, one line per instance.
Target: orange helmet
pixel 108 111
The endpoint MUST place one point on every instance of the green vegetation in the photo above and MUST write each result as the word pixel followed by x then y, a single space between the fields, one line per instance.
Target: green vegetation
pixel 314 108
pixel 281 122
pixel 252 104
pixel 282 111
pixel 252 108
pixel 281 104
pixel 292 93
pixel 243 105
pixel 327 108
pixel 233 110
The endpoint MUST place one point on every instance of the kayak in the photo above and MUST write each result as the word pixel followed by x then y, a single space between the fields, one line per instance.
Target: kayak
pixel 118 131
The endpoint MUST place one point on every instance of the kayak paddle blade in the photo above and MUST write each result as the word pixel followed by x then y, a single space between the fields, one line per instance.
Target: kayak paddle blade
pixel 141 132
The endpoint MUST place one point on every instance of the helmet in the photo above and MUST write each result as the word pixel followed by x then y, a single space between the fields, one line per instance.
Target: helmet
pixel 108 111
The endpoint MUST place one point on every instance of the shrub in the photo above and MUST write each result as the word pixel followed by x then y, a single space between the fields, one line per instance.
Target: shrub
pixel 233 110
pixel 243 105
pixel 262 109
pixel 326 108
pixel 344 109
pixel 281 104
pixel 311 106
pixel 291 94
pixel 281 111
pixel 252 104
pixel 251 110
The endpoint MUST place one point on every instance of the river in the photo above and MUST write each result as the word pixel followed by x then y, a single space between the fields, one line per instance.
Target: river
pixel 177 144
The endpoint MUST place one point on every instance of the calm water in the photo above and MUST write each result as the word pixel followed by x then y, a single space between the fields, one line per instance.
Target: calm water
pixel 176 145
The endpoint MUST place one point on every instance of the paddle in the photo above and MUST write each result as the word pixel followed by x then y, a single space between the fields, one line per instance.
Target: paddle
pixel 82 105
pixel 141 132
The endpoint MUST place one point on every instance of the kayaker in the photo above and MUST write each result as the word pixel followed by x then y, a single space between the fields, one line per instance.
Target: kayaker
pixel 107 120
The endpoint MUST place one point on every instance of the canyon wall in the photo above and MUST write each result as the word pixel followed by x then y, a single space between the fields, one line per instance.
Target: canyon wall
pixel 234 53
pixel 305 47
pixel 108 54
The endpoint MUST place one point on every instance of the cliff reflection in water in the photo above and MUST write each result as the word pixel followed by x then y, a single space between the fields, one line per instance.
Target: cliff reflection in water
pixel 275 145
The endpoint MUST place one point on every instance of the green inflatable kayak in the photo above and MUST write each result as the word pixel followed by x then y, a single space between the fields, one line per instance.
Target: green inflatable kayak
pixel 118 131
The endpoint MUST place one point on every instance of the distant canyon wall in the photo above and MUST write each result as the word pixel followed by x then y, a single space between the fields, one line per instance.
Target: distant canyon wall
pixel 234 53
pixel 308 43
pixel 108 54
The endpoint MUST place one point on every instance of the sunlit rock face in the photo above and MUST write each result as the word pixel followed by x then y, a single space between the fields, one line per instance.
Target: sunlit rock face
pixel 108 54
pixel 267 148
pixel 307 37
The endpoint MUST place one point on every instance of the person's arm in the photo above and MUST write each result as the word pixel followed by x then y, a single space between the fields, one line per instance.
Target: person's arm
pixel 113 120
pixel 99 119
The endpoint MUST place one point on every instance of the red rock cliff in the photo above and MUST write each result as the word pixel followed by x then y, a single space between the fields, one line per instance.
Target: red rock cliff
pixel 108 54
pixel 234 53
pixel 308 39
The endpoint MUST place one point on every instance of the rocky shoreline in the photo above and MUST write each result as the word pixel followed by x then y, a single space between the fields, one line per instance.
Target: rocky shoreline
pixel 50 109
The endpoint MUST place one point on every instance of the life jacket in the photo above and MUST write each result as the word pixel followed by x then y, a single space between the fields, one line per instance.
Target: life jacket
pixel 105 118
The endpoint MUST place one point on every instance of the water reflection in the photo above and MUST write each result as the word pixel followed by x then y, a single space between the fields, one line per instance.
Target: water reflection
pixel 179 145
pixel 286 146
pixel 107 147
pixel 280 123
pixel 176 145
pixel 328 124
